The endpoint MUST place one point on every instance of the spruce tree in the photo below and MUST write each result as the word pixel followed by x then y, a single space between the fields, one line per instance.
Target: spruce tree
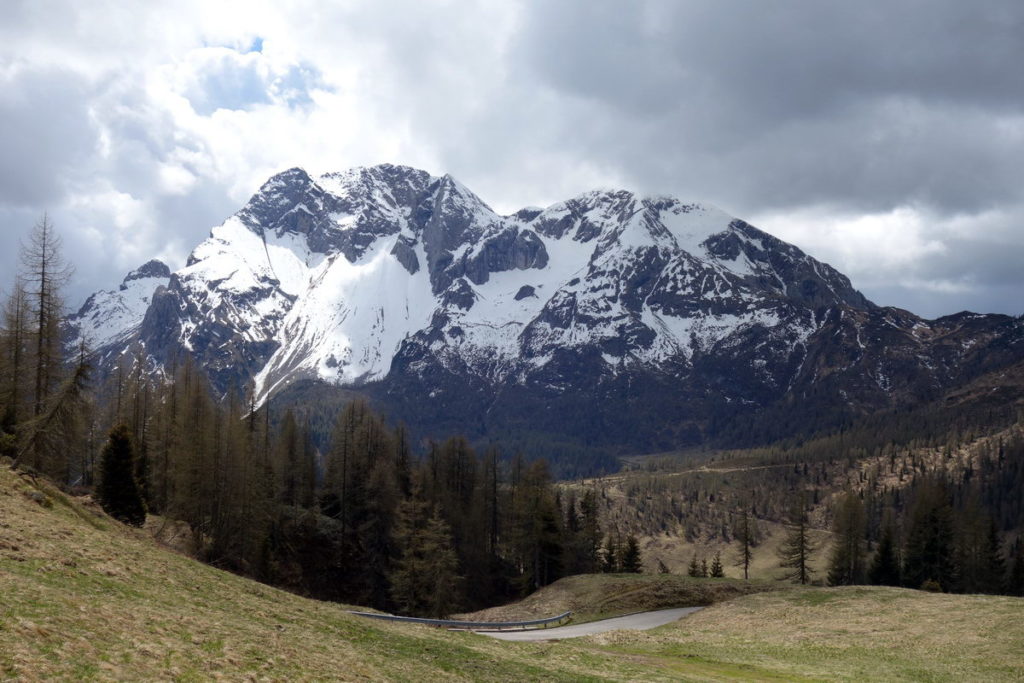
pixel 930 549
pixel 885 567
pixel 424 581
pixel 631 562
pixel 971 538
pixel 537 536
pixel 118 492
pixel 693 569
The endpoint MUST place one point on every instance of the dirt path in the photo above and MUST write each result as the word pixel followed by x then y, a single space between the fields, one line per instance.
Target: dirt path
pixel 637 622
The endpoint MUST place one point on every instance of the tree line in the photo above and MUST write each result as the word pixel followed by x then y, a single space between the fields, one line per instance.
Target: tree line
pixel 944 539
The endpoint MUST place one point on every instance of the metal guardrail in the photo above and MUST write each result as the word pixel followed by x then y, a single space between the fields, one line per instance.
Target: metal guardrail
pixel 454 623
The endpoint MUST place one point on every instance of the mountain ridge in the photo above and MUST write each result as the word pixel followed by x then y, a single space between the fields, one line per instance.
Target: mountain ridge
pixel 603 311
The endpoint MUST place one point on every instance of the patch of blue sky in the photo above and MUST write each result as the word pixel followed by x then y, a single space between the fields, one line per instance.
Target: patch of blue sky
pixel 294 87
pixel 228 84
pixel 240 83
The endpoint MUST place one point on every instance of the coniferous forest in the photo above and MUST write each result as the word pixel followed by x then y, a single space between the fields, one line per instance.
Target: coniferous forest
pixel 370 517
pixel 908 503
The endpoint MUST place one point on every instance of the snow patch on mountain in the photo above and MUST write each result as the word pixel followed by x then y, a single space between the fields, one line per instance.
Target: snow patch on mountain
pixel 333 277
pixel 348 322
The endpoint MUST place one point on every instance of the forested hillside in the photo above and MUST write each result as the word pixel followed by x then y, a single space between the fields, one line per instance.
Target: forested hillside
pixel 902 499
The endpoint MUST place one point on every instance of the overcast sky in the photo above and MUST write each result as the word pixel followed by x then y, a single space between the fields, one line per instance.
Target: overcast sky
pixel 886 138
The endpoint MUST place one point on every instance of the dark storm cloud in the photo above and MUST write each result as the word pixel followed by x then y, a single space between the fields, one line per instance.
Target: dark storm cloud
pixel 766 107
pixel 834 101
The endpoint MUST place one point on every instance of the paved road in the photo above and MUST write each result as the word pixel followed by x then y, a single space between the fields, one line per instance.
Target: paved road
pixel 636 622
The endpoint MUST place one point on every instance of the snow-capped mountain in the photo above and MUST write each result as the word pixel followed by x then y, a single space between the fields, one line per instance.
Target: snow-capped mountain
pixel 609 316
pixel 108 319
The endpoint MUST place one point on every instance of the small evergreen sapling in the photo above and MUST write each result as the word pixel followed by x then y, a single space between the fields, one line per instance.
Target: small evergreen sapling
pixel 717 571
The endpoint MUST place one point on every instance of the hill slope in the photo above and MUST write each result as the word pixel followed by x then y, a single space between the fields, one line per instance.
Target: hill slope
pixel 86 598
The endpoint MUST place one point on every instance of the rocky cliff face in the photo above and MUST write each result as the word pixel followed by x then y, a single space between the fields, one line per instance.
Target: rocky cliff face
pixel 609 318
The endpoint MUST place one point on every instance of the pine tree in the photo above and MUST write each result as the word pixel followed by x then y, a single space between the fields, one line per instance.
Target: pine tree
pixel 118 492
pixel 796 550
pixel 693 569
pixel 717 571
pixel 846 565
pixel 631 562
pixel 704 567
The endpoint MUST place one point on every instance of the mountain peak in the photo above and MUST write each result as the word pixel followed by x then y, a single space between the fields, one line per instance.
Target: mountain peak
pixel 151 269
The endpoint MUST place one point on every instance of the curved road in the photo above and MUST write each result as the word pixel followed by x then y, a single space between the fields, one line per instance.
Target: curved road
pixel 637 622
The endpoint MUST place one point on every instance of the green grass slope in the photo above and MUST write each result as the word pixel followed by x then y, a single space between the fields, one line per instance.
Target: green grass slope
pixel 83 597
pixel 850 634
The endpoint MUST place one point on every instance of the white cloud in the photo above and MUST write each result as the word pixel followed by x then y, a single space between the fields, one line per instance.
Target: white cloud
pixel 139 126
